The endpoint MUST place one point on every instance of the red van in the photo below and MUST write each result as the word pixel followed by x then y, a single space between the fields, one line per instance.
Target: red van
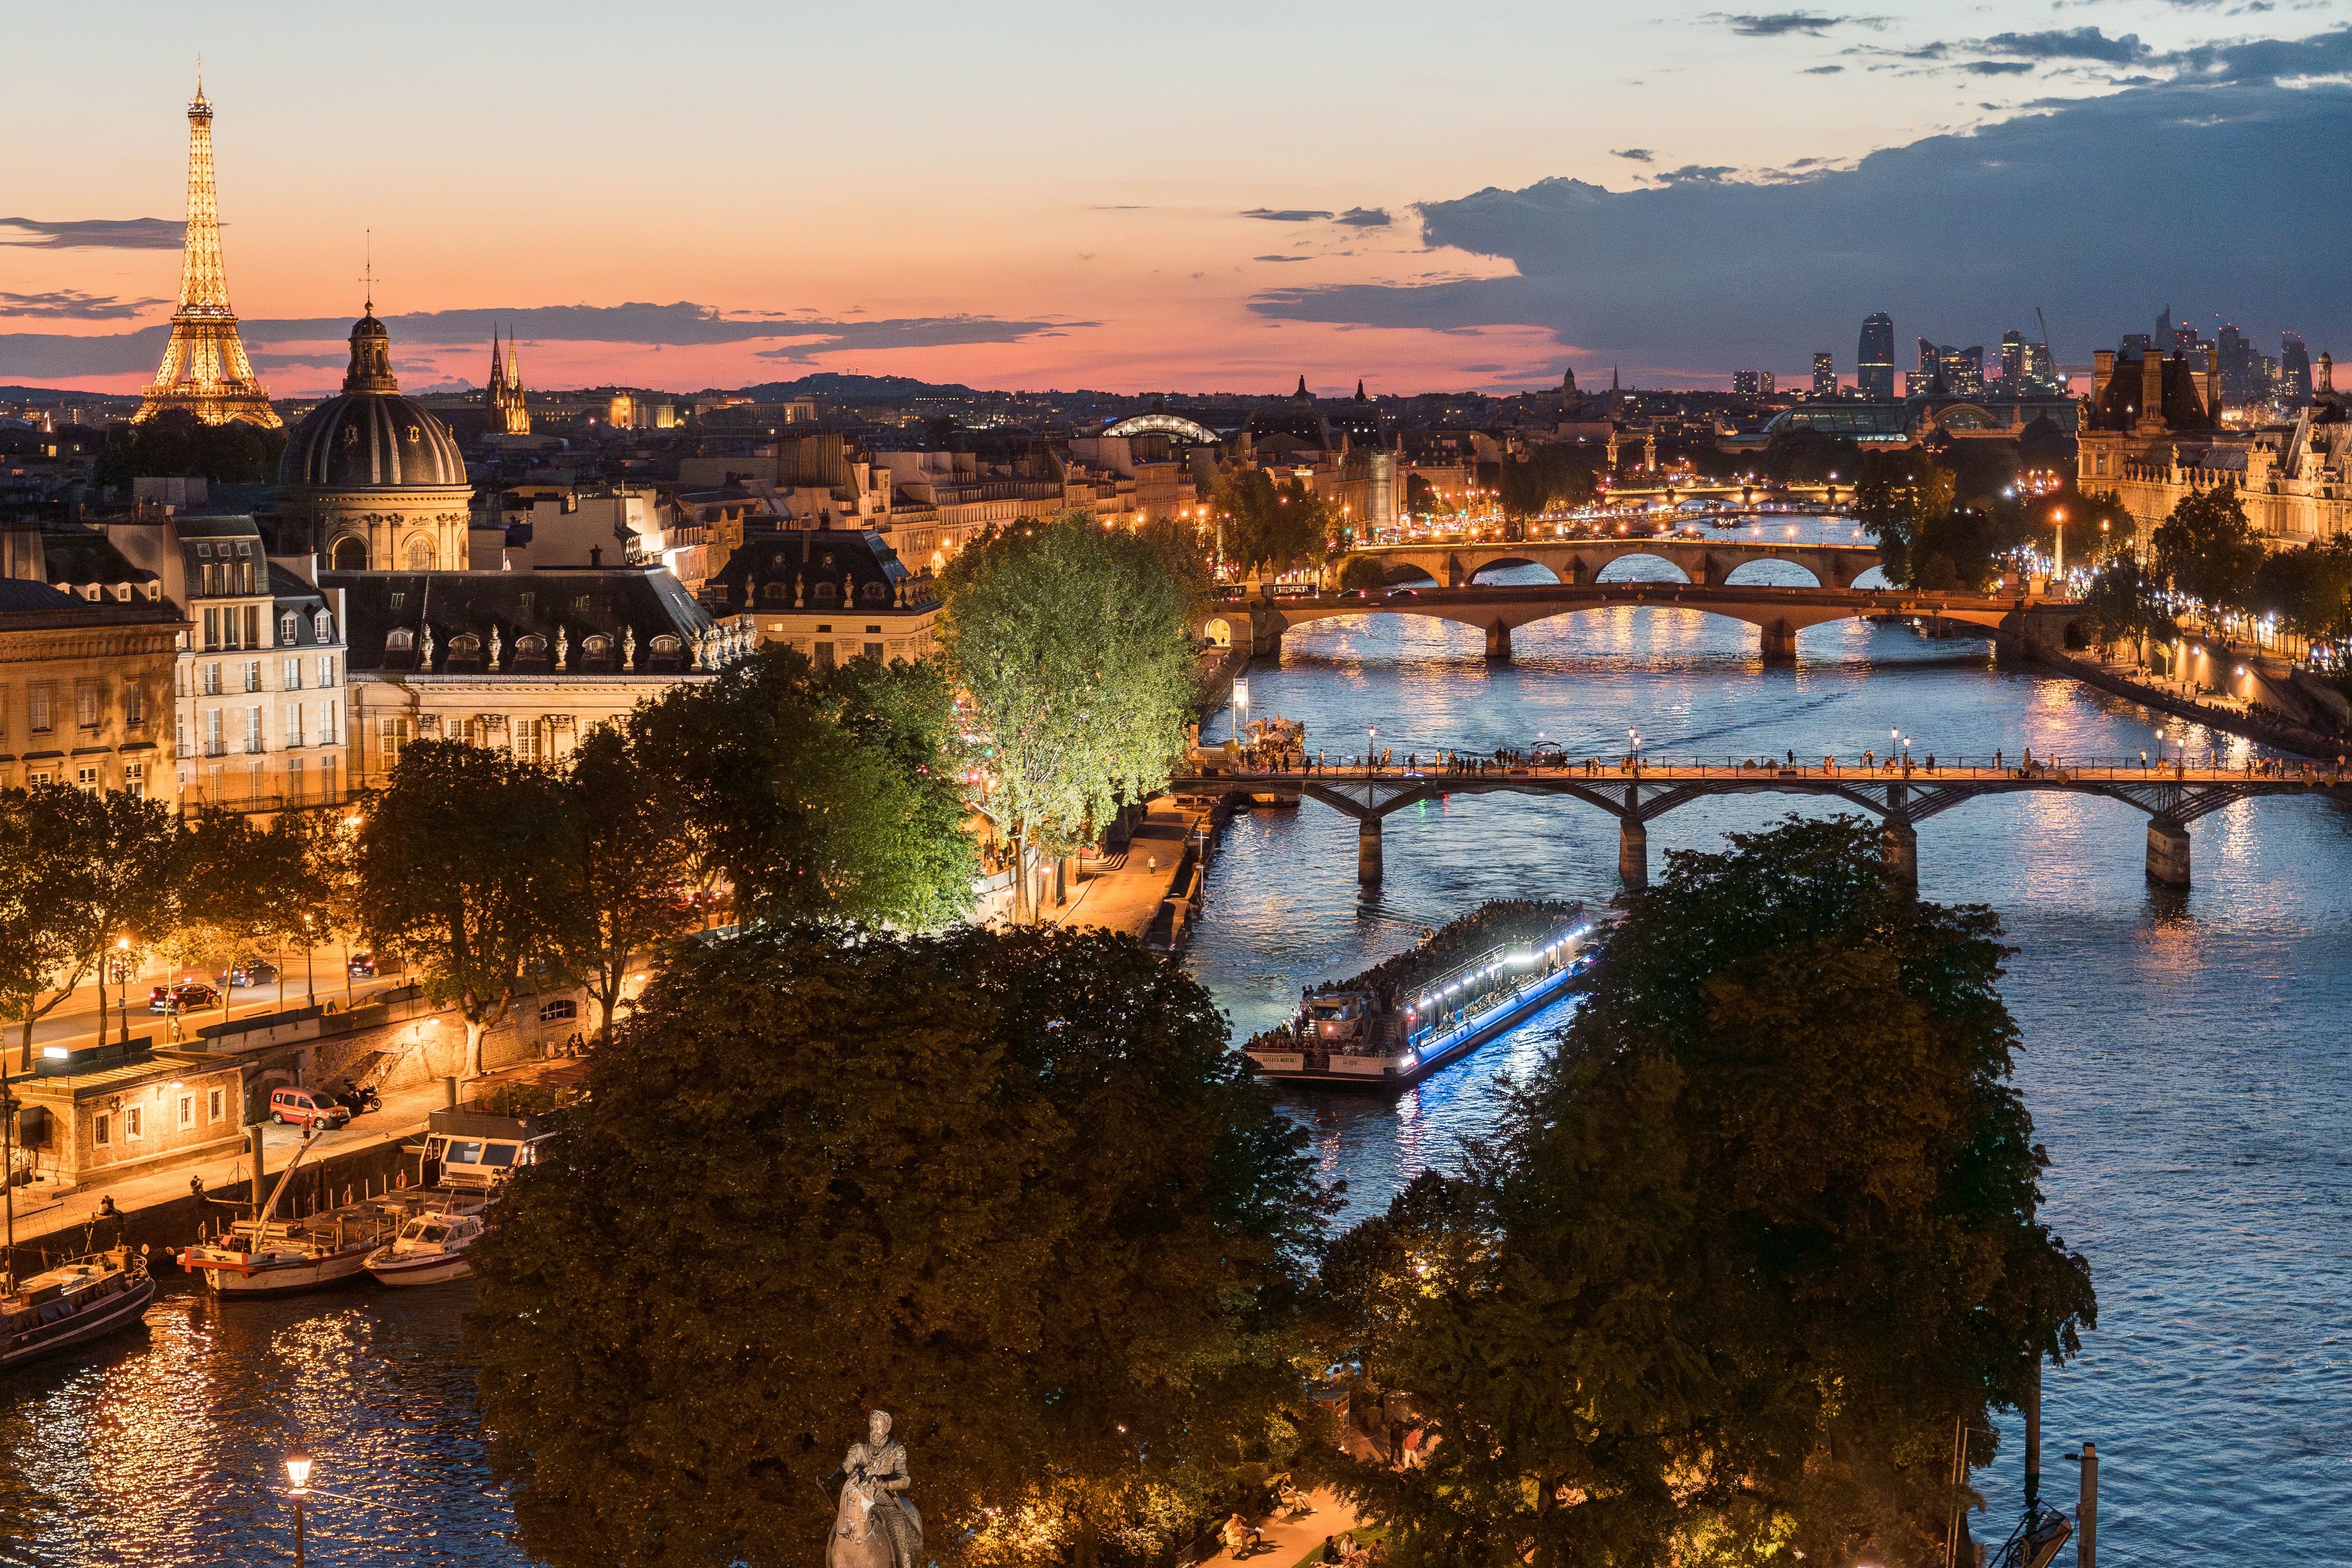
pixel 307 1108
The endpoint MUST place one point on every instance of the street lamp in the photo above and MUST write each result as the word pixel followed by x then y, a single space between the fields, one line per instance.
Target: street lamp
pixel 297 1475
pixel 2058 535
pixel 310 967
pixel 122 991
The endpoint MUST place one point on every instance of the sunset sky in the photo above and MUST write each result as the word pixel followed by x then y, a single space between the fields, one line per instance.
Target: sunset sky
pixel 1204 196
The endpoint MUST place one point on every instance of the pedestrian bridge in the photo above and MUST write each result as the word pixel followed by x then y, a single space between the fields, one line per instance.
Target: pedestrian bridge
pixel 1706 561
pixel 1779 613
pixel 1901 793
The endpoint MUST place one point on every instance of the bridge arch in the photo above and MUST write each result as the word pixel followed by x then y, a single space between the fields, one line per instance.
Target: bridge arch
pixel 1174 424
pixel 1756 578
pixel 1614 569
pixel 1512 563
pixel 1218 633
pixel 1405 575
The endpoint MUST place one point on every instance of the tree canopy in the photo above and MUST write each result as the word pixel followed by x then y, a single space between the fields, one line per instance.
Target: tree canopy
pixel 2208 550
pixel 814 792
pixel 177 442
pixel 1008 1186
pixel 1542 478
pixel 459 871
pixel 623 872
pixel 1742 1251
pixel 1271 526
pixel 1070 642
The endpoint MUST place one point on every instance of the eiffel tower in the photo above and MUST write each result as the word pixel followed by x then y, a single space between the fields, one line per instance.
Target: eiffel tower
pixel 204 370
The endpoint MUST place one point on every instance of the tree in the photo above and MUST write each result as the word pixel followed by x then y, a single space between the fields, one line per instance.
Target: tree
pixel 1542 478
pixel 78 871
pixel 176 442
pixel 2309 590
pixel 2128 604
pixel 1419 495
pixel 329 902
pixel 1901 498
pixel 458 869
pixel 1009 1186
pixel 241 894
pixel 1742 1252
pixel 622 876
pixel 1361 571
pixel 1270 525
pixel 2208 550
pixel 1070 643
pixel 833 795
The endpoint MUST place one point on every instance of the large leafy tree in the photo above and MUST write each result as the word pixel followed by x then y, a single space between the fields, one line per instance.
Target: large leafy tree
pixel 2208 550
pixel 329 902
pixel 1902 498
pixel 1070 642
pixel 817 795
pixel 2309 590
pixel 241 894
pixel 1542 478
pixel 2129 604
pixel 621 879
pixel 460 871
pixel 1270 525
pixel 1743 1252
pixel 1008 1186
pixel 78 871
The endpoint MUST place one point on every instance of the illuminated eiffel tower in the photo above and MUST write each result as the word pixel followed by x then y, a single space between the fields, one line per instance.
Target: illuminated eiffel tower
pixel 204 370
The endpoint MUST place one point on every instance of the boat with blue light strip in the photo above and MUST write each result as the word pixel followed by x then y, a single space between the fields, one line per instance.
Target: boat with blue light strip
pixel 1460 987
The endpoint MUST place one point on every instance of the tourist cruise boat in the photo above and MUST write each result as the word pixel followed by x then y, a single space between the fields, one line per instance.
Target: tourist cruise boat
pixel 1399 1021
pixel 73 1303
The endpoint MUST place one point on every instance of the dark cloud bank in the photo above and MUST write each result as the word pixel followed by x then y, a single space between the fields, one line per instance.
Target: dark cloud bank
pixel 2223 189
pixel 33 358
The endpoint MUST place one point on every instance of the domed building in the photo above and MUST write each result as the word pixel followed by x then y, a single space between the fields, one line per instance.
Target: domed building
pixel 370 481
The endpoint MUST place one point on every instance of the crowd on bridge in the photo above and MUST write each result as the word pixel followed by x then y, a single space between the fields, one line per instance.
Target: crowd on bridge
pixel 1286 756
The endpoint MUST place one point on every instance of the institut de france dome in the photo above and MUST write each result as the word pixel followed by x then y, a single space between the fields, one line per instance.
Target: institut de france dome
pixel 375 482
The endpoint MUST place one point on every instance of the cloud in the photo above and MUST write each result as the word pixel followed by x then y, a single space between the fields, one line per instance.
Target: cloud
pixel 1284 215
pixel 1696 174
pixel 1823 70
pixel 1647 273
pixel 97 233
pixel 1278 258
pixel 1365 217
pixel 1997 68
pixel 1779 23
pixel 37 357
pixel 73 305
pixel 1636 154
pixel 2070 44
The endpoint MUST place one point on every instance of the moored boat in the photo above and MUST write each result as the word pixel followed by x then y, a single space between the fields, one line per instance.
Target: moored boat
pixel 430 1250
pixel 266 1256
pixel 1402 1019
pixel 72 1304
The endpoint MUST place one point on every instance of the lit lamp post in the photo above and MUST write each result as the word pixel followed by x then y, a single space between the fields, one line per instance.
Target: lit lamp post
pixel 121 965
pixel 2058 548
pixel 297 1475
pixel 310 967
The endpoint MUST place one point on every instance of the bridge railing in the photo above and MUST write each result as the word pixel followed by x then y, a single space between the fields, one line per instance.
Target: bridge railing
pixel 1858 768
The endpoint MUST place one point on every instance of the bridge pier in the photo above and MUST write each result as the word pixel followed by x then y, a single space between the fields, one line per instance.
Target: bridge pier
pixel 1499 643
pixel 1367 851
pixel 2167 853
pixel 1633 853
pixel 1899 842
pixel 1780 644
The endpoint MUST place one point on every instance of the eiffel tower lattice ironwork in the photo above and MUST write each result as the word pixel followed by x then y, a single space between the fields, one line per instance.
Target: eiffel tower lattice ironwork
pixel 204 370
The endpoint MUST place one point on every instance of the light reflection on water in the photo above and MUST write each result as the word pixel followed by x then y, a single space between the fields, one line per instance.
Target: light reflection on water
pixel 2185 1056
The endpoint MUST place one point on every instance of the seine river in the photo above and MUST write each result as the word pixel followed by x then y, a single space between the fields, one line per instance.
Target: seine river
pixel 2185 1061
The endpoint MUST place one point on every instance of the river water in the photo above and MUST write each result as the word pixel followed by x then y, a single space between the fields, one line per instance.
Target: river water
pixel 2185 1061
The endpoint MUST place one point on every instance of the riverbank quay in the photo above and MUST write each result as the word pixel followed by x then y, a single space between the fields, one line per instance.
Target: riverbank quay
pixel 161 1208
pixel 1147 878
pixel 2174 697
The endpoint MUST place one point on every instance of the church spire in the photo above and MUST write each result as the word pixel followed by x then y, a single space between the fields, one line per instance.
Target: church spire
pixel 514 365
pixel 498 366
pixel 1360 390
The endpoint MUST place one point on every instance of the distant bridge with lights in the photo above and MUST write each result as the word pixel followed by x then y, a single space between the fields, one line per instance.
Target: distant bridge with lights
pixel 1779 613
pixel 1707 562
pixel 1900 795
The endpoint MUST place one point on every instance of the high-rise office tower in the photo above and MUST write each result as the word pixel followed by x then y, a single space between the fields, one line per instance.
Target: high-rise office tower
pixel 2237 366
pixel 1824 375
pixel 1743 382
pixel 2012 359
pixel 1927 356
pixel 2295 370
pixel 1963 370
pixel 1874 360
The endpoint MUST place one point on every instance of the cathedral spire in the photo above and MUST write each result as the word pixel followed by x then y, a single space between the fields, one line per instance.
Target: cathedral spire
pixel 204 370
pixel 497 366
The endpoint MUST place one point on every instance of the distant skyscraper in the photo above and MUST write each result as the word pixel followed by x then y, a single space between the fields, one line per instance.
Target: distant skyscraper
pixel 1874 361
pixel 1927 356
pixel 2294 370
pixel 1824 375
pixel 1963 370
pixel 1744 382
pixel 2039 373
pixel 2012 359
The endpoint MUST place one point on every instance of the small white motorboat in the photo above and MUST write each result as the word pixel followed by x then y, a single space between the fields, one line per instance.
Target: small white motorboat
pixel 429 1250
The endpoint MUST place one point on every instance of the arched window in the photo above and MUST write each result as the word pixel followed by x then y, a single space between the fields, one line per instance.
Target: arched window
pixel 287 625
pixel 350 555
pixel 776 594
pixel 465 645
pixel 826 593
pixel 399 641
pixel 420 555
pixel 323 623
pixel 874 593
pixel 530 646
pixel 665 643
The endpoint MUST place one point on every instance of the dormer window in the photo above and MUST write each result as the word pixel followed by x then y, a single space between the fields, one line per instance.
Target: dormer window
pixel 324 624
pixel 287 627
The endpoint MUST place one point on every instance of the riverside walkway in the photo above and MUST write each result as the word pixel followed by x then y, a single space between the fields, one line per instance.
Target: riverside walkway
pixel 1901 791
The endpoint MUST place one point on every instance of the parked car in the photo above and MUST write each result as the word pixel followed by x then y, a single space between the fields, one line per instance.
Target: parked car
pixel 364 967
pixel 257 972
pixel 185 996
pixel 307 1108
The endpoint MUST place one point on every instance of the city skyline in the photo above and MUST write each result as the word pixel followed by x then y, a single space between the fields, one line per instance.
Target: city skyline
pixel 1221 225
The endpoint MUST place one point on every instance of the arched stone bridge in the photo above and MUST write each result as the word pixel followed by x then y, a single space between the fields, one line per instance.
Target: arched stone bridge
pixel 1706 561
pixel 1779 612
pixel 2171 797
